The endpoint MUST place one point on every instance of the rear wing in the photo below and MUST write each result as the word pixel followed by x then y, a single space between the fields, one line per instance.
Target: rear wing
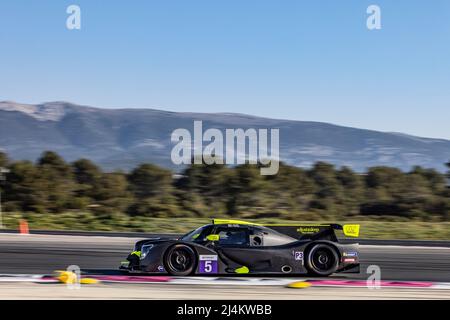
pixel 316 231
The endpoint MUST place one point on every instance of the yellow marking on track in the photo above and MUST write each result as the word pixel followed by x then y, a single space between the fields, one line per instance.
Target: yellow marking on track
pixel 299 285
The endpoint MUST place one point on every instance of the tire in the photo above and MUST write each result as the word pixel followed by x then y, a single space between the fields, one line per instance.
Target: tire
pixel 180 260
pixel 322 260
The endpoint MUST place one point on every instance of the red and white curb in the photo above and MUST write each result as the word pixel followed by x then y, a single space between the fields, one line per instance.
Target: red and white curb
pixel 233 281
pixel 442 285
pixel 228 281
pixel 27 278
pixel 130 279
pixel 363 283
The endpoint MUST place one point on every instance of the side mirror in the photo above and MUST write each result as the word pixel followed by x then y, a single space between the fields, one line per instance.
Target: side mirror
pixel 212 237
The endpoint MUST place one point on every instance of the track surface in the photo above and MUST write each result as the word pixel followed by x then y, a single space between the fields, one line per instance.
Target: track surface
pixel 42 254
pixel 185 292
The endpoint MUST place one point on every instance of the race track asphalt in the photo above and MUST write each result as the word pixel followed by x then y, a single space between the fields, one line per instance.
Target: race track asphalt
pixel 43 254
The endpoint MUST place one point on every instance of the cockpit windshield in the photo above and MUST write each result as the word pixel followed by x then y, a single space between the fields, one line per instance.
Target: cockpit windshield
pixel 196 235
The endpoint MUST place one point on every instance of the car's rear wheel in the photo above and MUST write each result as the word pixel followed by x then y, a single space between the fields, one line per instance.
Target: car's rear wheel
pixel 322 260
pixel 180 260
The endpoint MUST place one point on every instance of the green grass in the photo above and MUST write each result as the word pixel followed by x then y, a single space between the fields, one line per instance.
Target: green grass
pixel 370 229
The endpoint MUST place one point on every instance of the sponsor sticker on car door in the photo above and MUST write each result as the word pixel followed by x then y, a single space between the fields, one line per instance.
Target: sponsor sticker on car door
pixel 208 264
pixel 298 255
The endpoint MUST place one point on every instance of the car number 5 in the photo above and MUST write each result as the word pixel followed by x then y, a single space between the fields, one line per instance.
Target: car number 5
pixel 208 266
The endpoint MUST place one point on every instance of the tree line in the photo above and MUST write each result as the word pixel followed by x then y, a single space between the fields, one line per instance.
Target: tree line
pixel 322 192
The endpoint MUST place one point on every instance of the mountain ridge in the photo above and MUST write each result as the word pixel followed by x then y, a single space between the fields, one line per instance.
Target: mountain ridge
pixel 124 137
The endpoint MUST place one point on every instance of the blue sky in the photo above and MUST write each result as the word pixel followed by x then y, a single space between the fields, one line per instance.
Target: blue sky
pixel 304 60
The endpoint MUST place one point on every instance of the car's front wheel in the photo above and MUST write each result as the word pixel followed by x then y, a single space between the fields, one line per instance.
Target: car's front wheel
pixel 322 260
pixel 180 260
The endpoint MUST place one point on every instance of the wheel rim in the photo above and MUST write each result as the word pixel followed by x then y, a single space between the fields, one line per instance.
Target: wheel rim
pixel 180 260
pixel 323 260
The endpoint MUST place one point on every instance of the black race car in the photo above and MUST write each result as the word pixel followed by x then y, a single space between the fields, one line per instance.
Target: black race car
pixel 236 247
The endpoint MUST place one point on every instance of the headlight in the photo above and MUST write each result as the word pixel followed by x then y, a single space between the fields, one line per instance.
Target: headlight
pixel 145 250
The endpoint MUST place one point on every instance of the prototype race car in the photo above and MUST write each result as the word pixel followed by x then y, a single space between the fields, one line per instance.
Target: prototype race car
pixel 236 247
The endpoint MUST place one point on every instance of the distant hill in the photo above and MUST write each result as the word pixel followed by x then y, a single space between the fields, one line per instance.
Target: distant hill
pixel 123 138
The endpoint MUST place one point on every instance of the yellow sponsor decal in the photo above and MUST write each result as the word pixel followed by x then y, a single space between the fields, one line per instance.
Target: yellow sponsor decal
pixel 351 230
pixel 306 230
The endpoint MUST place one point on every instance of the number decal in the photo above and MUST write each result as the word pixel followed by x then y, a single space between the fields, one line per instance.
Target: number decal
pixel 208 264
pixel 298 255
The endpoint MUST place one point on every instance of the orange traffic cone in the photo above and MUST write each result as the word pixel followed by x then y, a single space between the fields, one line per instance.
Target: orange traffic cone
pixel 23 227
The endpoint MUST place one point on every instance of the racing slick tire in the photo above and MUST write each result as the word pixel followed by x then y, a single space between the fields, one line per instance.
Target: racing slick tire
pixel 180 260
pixel 322 260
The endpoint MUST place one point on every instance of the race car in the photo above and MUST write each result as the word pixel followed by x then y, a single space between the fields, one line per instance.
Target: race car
pixel 239 247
